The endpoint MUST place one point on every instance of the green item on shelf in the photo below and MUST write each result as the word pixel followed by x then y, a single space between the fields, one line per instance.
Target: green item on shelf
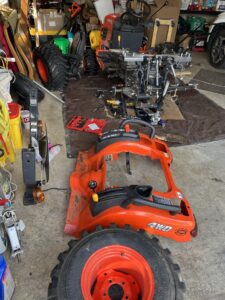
pixel 196 23
pixel 63 44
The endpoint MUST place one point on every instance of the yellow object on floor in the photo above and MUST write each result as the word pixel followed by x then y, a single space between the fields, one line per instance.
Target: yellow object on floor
pixel 15 131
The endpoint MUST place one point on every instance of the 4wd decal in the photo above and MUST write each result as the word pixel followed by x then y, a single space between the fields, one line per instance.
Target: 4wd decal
pixel 161 227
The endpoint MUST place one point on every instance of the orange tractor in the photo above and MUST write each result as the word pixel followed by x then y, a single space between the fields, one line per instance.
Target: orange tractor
pixel 113 257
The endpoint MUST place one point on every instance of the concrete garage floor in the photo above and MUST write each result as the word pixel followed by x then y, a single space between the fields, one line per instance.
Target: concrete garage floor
pixel 199 170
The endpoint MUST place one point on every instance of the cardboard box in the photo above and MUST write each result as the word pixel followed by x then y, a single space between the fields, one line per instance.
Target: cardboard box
pixel 50 20
pixel 171 11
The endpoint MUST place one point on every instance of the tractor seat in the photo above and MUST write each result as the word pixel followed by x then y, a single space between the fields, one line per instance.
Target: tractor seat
pixel 127 34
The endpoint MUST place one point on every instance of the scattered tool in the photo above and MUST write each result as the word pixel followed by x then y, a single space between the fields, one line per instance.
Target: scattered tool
pixel 80 123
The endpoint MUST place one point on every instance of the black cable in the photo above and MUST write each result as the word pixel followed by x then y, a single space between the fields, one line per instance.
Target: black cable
pixel 164 4
pixel 55 188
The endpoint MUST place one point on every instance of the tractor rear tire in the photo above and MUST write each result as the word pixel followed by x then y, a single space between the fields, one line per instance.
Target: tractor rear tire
pixel 116 264
pixel 52 66
pixel 90 62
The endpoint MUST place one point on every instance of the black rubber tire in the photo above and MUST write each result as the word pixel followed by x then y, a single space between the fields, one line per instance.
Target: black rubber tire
pixel 55 64
pixel 66 275
pixel 217 32
pixel 22 86
pixel 90 62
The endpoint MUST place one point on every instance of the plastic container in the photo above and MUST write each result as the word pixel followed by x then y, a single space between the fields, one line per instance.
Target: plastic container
pixel 95 38
pixel 63 44
pixel 15 131
pixel 7 284
pixel 25 117
pixel 53 152
pixel 103 8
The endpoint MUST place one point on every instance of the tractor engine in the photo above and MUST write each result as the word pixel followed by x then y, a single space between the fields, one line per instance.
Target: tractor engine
pixel 145 75
pixel 146 78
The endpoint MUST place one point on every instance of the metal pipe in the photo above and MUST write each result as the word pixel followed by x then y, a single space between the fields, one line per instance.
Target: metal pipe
pixel 46 90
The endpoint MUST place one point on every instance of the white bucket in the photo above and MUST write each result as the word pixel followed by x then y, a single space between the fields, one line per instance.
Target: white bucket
pixel 103 8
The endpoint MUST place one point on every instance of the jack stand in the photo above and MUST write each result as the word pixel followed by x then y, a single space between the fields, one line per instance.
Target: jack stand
pixel 33 194
pixel 28 198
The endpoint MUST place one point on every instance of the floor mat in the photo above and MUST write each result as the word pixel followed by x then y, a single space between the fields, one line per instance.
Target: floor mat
pixel 204 120
pixel 210 81
pixel 80 100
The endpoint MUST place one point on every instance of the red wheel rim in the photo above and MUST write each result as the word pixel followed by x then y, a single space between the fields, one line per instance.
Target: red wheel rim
pixel 42 70
pixel 117 273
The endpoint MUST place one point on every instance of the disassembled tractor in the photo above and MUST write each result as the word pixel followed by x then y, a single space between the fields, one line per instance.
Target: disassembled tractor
pixel 113 256
pixel 164 213
pixel 147 78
